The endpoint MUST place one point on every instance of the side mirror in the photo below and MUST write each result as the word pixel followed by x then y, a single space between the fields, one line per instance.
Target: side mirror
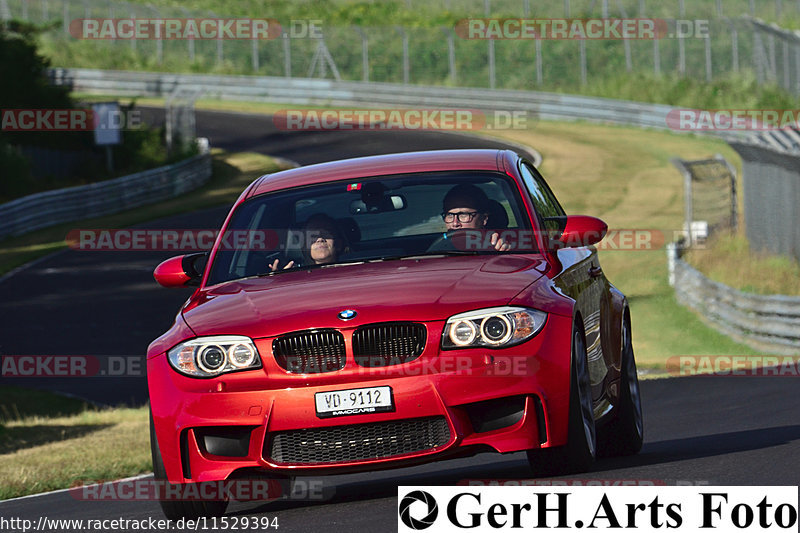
pixel 181 271
pixel 582 230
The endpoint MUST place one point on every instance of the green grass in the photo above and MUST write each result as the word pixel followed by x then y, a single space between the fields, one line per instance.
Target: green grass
pixel 50 442
pixel 728 259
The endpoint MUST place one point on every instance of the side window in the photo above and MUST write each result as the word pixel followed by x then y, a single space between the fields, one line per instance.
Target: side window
pixel 548 209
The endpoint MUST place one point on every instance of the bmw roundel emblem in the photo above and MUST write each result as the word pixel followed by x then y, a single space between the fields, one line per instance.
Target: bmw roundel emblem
pixel 347 314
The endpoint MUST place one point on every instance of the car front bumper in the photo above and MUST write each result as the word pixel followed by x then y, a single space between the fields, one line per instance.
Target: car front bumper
pixel 445 404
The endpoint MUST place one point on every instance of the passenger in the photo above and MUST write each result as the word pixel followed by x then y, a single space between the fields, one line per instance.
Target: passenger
pixel 466 206
pixel 323 242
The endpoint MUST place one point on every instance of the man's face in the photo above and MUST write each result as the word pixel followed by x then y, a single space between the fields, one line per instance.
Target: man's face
pixel 464 218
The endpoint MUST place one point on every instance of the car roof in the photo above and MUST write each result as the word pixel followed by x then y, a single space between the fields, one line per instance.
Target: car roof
pixel 384 165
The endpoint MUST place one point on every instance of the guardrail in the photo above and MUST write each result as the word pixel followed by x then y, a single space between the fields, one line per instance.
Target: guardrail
pixel 49 208
pixel 307 91
pixel 765 321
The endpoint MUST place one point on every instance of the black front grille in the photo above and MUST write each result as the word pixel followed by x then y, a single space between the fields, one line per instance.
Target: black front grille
pixel 390 343
pixel 310 352
pixel 358 442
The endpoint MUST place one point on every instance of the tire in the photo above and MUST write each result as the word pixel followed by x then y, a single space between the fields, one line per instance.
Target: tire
pixel 624 434
pixel 579 453
pixel 176 509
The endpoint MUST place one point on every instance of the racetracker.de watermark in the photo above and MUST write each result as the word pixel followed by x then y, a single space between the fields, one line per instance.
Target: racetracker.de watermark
pixel 734 365
pixel 580 29
pixel 276 240
pixel 144 489
pixel 71 366
pixel 401 119
pixel 578 482
pixel 21 120
pixel 176 28
pixel 733 119
pixel 178 240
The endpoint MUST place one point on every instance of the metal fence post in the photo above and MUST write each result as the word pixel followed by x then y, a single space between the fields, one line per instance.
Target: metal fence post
pixel 796 49
pixel 254 52
pixel 65 16
pixel 626 44
pixel 111 16
pixel 490 45
pixel 582 49
pixel 759 56
pixel 364 53
pixel 656 57
pixel 735 48
pixel 734 203
pixel 159 39
pixel 772 72
pixel 566 8
pixel 707 42
pixel 190 41
pixel 490 51
pixel 25 10
pixel 45 11
pixel 681 44
pixel 539 74
pixel 287 56
pixel 133 39
pixel 406 66
pixel 687 199
pixel 220 51
pixel 786 81
pixel 451 54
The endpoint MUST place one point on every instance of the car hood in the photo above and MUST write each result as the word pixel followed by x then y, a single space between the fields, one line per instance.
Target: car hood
pixel 421 289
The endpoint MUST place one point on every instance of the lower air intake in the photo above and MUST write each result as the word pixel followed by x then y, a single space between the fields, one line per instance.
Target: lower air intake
pixel 359 442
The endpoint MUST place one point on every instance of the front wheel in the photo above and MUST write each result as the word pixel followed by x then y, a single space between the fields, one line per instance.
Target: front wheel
pixel 625 433
pixel 579 453
pixel 175 508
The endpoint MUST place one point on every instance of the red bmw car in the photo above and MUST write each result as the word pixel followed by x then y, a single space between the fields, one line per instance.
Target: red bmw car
pixel 386 311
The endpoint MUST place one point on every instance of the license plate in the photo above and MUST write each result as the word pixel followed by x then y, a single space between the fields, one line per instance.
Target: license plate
pixel 354 401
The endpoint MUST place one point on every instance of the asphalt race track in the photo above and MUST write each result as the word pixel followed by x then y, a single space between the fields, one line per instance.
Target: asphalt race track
pixel 701 431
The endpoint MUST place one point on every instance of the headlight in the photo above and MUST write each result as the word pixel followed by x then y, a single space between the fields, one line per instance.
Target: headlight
pixel 206 357
pixel 497 327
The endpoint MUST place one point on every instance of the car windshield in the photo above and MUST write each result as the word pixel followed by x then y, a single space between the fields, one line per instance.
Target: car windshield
pixel 373 219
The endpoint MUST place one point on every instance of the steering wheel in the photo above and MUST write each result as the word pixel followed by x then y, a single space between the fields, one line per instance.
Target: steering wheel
pixel 446 242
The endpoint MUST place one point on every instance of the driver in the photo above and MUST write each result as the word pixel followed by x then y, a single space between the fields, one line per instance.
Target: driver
pixel 465 206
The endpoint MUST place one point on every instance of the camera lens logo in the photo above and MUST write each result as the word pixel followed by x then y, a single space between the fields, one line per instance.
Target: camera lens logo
pixel 405 510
